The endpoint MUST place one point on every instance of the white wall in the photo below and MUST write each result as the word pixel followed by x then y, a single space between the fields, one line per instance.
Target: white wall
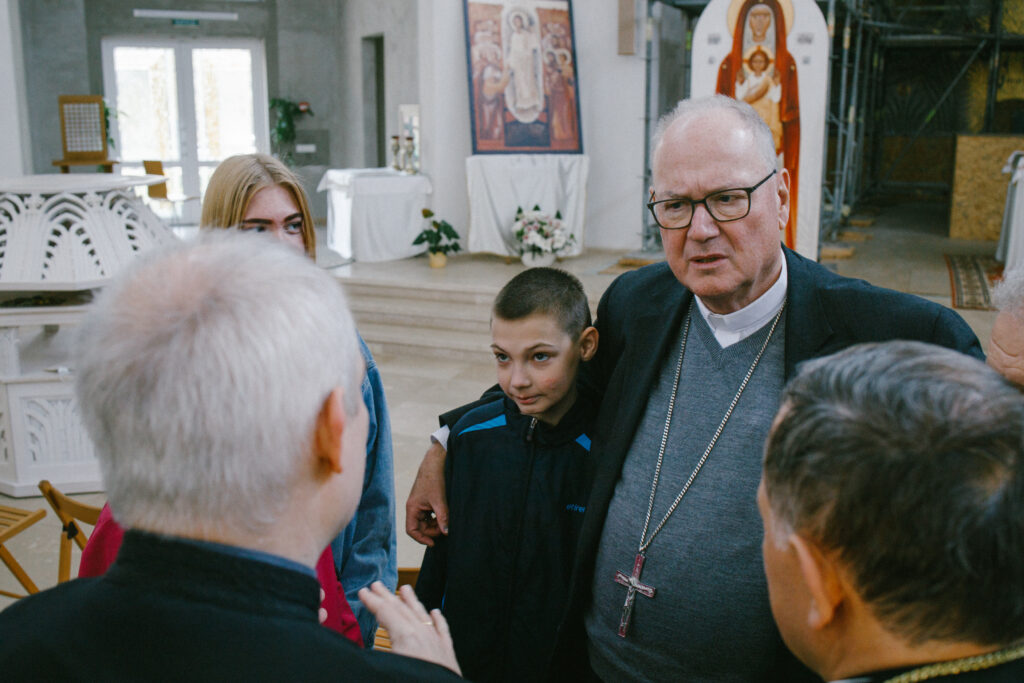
pixel 14 155
pixel 611 91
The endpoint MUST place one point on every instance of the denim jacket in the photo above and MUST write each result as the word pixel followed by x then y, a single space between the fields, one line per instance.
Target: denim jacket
pixel 366 550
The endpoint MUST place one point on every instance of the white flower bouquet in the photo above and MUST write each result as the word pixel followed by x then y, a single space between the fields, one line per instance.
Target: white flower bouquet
pixel 538 233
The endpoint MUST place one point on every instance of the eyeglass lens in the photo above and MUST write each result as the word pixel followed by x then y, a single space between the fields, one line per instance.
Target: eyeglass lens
pixel 723 206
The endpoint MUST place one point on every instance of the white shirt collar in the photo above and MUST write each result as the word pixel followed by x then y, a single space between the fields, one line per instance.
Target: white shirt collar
pixel 738 325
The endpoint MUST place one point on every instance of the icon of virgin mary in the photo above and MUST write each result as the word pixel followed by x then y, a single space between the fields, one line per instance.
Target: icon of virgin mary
pixel 760 71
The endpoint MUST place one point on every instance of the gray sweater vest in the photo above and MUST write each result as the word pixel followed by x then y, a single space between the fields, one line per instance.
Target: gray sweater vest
pixel 710 618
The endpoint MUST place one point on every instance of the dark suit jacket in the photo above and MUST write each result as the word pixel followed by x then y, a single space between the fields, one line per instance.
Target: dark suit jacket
pixel 173 611
pixel 637 318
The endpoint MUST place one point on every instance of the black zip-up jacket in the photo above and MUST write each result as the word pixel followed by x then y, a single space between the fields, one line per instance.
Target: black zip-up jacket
pixel 517 489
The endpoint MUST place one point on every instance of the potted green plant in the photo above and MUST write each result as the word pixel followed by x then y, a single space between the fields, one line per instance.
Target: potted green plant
pixel 440 238
pixel 282 135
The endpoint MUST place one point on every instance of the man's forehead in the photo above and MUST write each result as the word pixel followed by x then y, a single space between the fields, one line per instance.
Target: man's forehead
pixel 713 147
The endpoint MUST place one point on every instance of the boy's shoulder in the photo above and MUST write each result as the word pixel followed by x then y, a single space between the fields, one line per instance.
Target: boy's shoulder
pixel 490 415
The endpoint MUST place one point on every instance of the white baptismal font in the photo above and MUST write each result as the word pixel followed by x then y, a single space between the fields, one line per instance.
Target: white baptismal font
pixel 61 236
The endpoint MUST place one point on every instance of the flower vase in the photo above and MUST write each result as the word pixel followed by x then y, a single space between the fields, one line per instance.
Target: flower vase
pixel 534 260
pixel 437 259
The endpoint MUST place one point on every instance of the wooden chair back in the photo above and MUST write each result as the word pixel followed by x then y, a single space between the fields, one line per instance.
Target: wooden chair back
pixel 158 191
pixel 70 512
pixel 12 522
pixel 406 575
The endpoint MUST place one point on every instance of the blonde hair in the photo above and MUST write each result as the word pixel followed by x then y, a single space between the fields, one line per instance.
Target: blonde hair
pixel 237 180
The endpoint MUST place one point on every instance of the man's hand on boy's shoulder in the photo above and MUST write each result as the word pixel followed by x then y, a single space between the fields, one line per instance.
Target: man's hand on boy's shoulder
pixel 426 509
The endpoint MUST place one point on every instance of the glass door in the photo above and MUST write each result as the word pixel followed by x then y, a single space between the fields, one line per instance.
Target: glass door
pixel 187 103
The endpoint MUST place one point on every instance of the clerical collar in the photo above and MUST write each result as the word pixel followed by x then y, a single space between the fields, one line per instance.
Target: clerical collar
pixel 249 554
pixel 738 325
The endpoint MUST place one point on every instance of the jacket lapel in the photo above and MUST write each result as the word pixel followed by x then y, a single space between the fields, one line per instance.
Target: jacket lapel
pixel 807 325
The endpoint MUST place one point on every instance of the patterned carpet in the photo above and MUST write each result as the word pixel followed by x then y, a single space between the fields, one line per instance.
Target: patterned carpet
pixel 972 278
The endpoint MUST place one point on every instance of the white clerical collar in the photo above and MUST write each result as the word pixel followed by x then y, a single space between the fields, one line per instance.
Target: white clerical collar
pixel 738 325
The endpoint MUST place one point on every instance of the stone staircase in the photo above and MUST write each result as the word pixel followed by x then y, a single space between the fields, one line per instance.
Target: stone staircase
pixel 423 320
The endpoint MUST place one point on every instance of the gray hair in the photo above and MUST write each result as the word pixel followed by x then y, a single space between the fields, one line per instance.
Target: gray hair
pixel 1008 294
pixel 687 109
pixel 905 459
pixel 200 373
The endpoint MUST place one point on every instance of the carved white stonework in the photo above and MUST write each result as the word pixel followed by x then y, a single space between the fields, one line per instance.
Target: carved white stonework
pixel 54 431
pixel 72 233
pixel 9 364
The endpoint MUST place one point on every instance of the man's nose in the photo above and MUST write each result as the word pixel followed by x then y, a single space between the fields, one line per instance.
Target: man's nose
pixel 702 225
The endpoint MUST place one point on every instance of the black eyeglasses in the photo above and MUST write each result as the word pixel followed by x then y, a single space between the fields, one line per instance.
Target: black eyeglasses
pixel 724 205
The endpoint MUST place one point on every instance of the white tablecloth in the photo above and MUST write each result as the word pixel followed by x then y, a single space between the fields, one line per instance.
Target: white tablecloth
pixel 501 183
pixel 1011 240
pixel 374 214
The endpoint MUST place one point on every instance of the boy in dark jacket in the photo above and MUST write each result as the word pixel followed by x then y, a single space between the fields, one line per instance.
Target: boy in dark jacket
pixel 517 477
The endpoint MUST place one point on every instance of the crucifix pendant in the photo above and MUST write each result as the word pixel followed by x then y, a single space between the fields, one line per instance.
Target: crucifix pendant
pixel 633 586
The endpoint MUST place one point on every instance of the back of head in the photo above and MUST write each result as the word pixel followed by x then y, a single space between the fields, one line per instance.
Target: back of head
pixel 200 372
pixel 905 460
pixel 549 291
pixel 237 179
pixel 718 104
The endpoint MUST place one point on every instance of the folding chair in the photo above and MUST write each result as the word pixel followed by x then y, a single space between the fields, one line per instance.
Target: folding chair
pixel 12 522
pixel 158 192
pixel 69 510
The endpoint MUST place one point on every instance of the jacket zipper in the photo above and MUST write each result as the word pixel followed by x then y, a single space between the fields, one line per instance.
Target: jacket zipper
pixel 519 533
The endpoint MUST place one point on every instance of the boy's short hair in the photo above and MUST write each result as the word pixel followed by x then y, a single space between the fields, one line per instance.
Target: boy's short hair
pixel 545 290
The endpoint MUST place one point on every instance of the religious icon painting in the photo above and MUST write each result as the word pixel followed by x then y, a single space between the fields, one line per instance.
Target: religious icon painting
pixel 773 54
pixel 523 91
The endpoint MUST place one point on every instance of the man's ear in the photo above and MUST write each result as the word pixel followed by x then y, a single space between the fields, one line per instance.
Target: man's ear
pixel 330 425
pixel 588 343
pixel 784 196
pixel 821 578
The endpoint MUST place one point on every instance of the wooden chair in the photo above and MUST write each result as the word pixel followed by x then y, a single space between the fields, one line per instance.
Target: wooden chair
pixel 83 133
pixel 12 522
pixel 68 511
pixel 158 192
pixel 407 575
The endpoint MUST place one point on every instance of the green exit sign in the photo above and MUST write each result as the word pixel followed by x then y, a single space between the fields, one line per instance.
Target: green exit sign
pixel 184 22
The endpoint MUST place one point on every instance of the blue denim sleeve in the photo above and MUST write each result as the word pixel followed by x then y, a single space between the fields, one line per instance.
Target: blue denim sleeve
pixel 366 550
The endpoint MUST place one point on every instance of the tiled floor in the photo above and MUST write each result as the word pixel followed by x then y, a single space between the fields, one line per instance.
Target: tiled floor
pixel 905 252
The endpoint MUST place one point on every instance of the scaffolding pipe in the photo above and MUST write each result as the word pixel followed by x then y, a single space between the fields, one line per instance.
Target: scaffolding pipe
pixel 649 240
pixel 840 132
pixel 931 114
pixel 851 121
pixel 996 26
pixel 866 110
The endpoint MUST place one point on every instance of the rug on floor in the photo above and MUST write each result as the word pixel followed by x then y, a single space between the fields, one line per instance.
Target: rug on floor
pixel 971 279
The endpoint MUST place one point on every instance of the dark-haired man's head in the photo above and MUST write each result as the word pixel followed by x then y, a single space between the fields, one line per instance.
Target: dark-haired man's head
pixel 893 506
pixel 540 331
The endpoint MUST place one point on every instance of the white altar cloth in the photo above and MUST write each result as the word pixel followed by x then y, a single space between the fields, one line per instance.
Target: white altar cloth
pixel 1011 240
pixel 500 183
pixel 374 214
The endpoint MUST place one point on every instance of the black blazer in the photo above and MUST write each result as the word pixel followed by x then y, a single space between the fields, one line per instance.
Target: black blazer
pixel 637 319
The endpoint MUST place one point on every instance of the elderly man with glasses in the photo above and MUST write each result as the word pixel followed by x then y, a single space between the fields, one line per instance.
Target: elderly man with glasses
pixel 668 579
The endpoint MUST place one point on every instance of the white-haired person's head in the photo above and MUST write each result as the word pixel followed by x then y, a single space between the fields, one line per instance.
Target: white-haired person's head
pixel 202 372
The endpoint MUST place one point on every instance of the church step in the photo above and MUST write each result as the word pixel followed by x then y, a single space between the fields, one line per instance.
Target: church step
pixel 432 343
pixel 438 315
pixel 450 293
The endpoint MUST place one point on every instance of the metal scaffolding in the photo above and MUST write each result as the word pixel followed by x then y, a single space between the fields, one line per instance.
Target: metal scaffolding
pixel 864 34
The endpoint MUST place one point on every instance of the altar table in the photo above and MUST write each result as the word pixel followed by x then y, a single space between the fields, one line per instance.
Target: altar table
pixel 499 184
pixel 374 214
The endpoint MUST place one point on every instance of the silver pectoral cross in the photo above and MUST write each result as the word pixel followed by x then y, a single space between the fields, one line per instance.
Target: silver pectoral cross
pixel 633 586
